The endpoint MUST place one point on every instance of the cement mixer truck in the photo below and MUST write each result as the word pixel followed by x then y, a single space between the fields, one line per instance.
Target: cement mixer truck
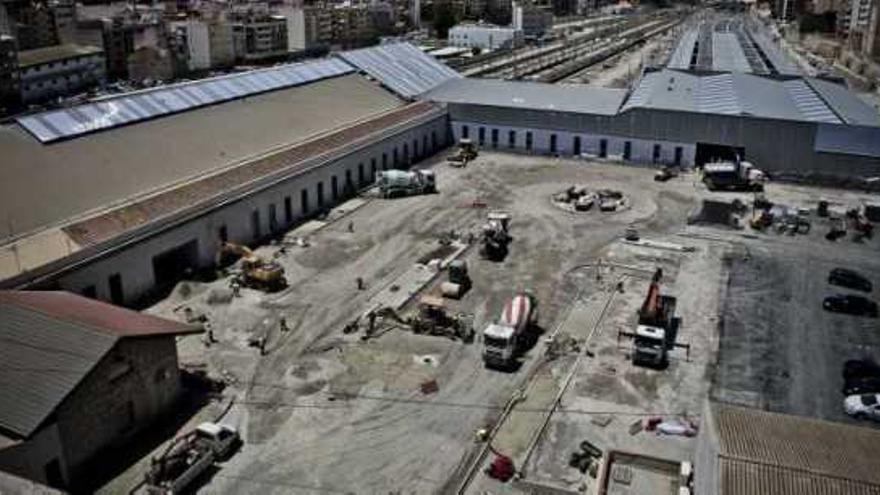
pixel 393 183
pixel 505 339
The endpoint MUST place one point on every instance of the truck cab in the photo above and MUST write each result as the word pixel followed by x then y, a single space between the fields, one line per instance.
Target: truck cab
pixel 650 346
pixel 222 439
pixel 499 345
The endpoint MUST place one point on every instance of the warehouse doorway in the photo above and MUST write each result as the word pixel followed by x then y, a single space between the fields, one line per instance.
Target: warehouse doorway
pixel 709 152
pixel 173 265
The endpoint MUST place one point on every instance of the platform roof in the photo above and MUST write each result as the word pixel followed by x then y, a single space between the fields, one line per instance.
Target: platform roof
pixel 46 184
pixel 530 95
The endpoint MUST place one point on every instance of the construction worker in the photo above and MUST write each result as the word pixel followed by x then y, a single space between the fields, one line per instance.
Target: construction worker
pixel 236 288
pixel 262 345
pixel 283 324
pixel 350 226
pixel 360 283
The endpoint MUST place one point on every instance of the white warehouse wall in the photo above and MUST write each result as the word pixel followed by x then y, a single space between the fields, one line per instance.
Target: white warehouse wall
pixel 642 150
pixel 134 263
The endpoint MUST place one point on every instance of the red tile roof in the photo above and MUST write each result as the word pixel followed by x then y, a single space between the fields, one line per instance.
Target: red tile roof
pixel 97 315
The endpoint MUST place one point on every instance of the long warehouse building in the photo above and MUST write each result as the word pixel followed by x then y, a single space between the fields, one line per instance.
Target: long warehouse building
pixel 117 199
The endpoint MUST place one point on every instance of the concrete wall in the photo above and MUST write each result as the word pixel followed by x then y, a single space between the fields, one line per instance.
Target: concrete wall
pixel 773 145
pixel 130 388
pixel 29 459
pixel 641 150
pixel 706 456
pixel 134 263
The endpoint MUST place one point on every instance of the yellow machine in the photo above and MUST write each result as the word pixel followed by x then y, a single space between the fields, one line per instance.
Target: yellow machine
pixel 465 153
pixel 256 272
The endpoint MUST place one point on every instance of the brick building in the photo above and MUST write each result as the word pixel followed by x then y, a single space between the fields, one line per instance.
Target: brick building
pixel 78 376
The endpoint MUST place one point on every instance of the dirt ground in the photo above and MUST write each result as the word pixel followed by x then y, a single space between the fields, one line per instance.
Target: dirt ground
pixel 327 412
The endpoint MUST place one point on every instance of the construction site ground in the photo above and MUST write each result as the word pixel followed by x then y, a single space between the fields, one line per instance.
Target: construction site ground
pixel 324 411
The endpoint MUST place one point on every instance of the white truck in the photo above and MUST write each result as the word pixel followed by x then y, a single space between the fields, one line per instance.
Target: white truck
pixel 737 175
pixel 393 183
pixel 188 457
pixel 505 339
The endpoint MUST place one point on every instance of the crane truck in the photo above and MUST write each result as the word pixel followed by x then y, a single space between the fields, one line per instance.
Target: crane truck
pixel 188 457
pixel 393 183
pixel 654 333
pixel 505 339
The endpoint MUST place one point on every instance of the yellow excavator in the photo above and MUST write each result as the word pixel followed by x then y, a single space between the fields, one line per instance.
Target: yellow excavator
pixel 256 272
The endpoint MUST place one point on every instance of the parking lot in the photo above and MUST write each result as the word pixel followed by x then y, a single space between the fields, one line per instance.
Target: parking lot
pixel 780 350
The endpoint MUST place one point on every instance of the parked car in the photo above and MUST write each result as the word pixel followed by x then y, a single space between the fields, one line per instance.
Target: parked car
pixel 850 279
pixel 862 385
pixel 854 305
pixel 863 406
pixel 859 368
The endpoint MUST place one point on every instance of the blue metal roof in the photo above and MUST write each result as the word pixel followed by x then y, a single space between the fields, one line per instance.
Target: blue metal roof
pixel 143 105
pixel 403 68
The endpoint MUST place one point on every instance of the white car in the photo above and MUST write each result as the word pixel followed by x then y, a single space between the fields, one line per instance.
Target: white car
pixel 863 406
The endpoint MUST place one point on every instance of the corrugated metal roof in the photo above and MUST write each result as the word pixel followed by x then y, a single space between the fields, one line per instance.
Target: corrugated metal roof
pixel 727 54
pixel 681 57
pixel 731 93
pixel 49 342
pixel 762 452
pixel 716 94
pixel 808 103
pixel 530 95
pixel 402 67
pixel 845 103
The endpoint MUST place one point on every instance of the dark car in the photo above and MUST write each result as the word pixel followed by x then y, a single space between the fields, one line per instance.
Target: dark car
pixel 864 385
pixel 854 305
pixel 849 279
pixel 860 368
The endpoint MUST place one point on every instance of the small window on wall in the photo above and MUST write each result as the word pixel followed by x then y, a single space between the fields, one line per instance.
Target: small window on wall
pixel 511 139
pixel 494 138
pixel 529 140
pixel 465 132
pixel 678 153
pixel 576 146
pixel 433 140
pixel 288 209
pixel 656 154
pixel 627 150
pixel 552 143
pixel 384 161
pixel 362 180
pixel 372 169
pixel 481 137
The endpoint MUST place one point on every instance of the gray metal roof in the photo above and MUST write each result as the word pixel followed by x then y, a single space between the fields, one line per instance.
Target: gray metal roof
pixel 530 95
pixel 845 103
pixel 41 361
pixel 402 67
pixel 727 54
pixel 731 94
pixel 681 57
pixel 143 105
